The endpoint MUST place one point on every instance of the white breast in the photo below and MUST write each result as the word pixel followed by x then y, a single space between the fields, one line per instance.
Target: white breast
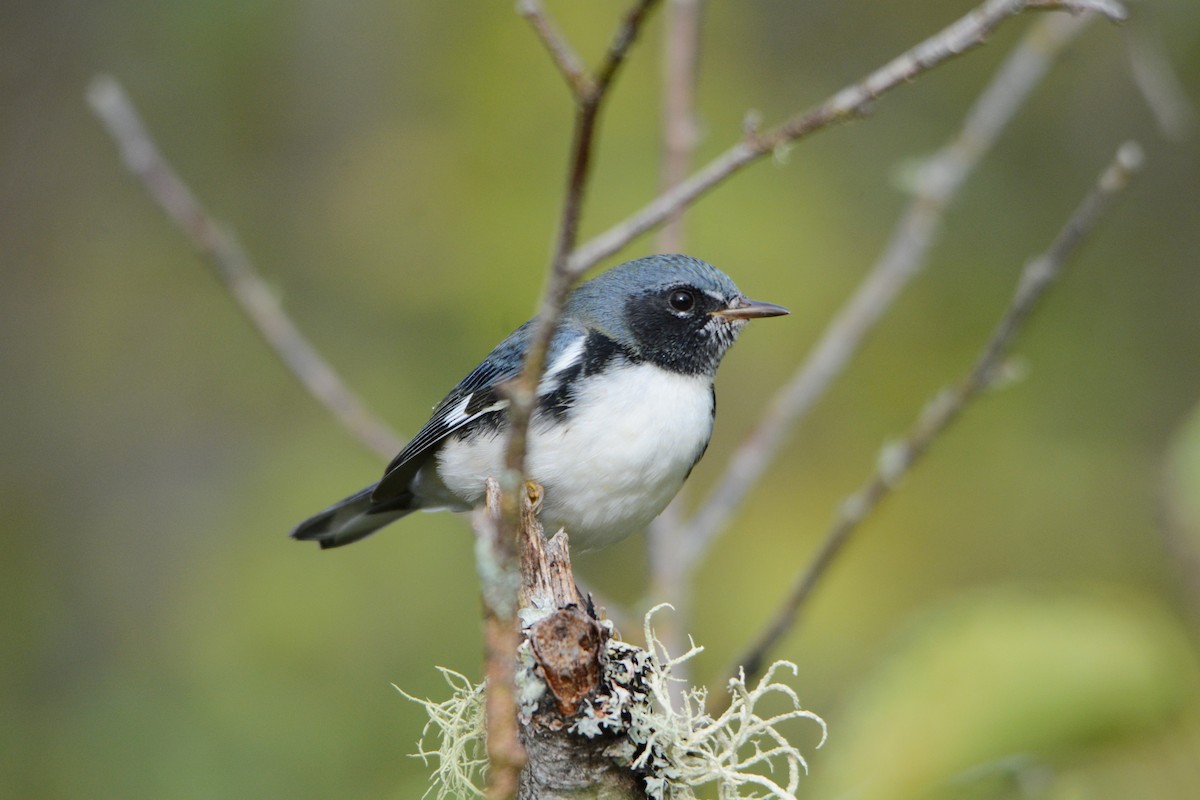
pixel 613 463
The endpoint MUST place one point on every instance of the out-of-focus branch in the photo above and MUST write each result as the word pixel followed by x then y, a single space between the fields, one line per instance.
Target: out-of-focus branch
pixel 497 561
pixel 231 265
pixel 896 459
pixel 965 34
pixel 677 544
pixel 1160 86
pixel 681 54
pixel 680 66
pixel 936 184
pixel 522 392
pixel 1178 513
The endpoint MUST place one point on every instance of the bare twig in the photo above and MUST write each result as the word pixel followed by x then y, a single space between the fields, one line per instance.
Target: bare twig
pixel 1109 8
pixel 936 184
pixel 523 391
pixel 561 52
pixel 946 406
pixel 496 560
pixel 231 265
pixel 1159 85
pixel 681 38
pixel 1178 523
pixel 965 34
pixel 560 279
pixel 681 54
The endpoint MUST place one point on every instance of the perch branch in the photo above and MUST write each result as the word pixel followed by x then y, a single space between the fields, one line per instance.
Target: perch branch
pixel 936 185
pixel 946 406
pixel 522 391
pixel 233 268
pixel 496 560
pixel 965 34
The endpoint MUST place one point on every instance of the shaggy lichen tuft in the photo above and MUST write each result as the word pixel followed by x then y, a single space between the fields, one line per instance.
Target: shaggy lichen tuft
pixel 458 725
pixel 676 750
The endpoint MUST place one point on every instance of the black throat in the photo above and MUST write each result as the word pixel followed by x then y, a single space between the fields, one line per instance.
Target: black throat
pixel 691 344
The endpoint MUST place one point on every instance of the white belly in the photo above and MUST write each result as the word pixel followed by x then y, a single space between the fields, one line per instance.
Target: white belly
pixel 614 462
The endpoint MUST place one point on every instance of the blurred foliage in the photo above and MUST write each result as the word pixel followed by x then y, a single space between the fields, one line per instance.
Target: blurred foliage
pixel 1182 512
pixel 395 170
pixel 997 688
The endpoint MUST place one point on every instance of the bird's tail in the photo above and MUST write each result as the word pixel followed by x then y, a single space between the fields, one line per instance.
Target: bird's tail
pixel 351 519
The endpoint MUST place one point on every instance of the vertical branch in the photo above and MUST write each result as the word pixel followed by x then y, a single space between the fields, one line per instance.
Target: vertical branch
pixel 499 580
pixel 1160 87
pixel 560 280
pixel 681 47
pixel 681 55
pixel 508 756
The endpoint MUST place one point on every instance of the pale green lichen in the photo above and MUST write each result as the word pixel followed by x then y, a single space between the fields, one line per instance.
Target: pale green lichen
pixel 458 725
pixel 678 748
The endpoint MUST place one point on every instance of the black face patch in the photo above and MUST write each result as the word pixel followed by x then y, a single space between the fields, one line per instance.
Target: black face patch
pixel 676 329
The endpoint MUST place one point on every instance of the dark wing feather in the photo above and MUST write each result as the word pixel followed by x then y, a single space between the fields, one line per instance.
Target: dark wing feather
pixel 480 391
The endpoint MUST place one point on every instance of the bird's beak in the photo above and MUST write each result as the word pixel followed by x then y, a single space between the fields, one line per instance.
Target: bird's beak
pixel 742 308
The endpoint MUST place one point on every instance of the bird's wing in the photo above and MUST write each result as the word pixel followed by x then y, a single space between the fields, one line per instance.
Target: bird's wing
pixel 477 399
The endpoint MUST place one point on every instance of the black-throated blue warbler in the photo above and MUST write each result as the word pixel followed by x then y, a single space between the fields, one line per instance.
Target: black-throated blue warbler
pixel 625 410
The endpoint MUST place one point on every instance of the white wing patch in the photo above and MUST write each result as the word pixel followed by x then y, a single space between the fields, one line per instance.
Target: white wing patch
pixel 571 355
pixel 458 415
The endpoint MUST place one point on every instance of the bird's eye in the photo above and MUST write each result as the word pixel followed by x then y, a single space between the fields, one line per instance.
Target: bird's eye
pixel 682 300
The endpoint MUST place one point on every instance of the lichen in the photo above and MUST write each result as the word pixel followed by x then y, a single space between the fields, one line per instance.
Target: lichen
pixel 676 748
pixel 679 748
pixel 458 725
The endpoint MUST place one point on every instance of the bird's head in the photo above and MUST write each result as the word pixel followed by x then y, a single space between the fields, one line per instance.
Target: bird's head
pixel 675 311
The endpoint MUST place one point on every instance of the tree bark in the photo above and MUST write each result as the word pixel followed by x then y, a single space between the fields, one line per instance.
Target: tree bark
pixel 562 671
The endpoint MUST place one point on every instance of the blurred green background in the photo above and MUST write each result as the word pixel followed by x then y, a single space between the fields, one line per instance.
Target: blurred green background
pixel 1013 622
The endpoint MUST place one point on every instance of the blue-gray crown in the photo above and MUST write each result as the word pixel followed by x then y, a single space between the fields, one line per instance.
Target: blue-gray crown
pixel 646 275
pixel 672 310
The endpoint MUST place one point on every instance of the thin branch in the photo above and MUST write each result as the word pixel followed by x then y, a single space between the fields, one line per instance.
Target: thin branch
pixel 896 460
pixel 1176 524
pixel 560 279
pixel 231 265
pixel 1110 8
pixel 522 392
pixel 496 560
pixel 1160 87
pixel 561 52
pixel 965 34
pixel 936 185
pixel 681 55
pixel 680 66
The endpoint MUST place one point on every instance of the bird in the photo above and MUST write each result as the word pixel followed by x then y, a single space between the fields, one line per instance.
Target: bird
pixel 624 410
